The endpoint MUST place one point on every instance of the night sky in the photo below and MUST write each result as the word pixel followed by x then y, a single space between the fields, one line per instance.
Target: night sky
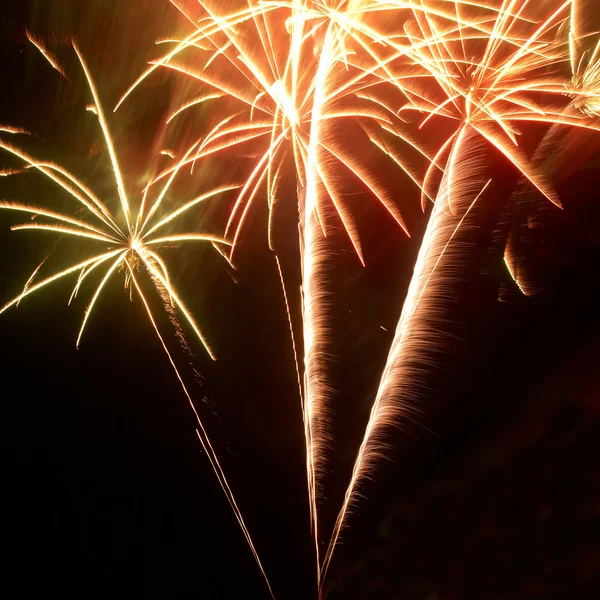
pixel 491 491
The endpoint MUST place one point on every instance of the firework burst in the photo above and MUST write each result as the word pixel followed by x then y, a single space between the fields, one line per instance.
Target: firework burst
pixel 293 87
pixel 501 69
pixel 298 74
pixel 131 239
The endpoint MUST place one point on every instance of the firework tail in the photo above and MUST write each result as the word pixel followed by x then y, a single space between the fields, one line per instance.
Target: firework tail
pixel 419 334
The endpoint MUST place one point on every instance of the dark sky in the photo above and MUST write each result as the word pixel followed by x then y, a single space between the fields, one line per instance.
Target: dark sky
pixel 494 491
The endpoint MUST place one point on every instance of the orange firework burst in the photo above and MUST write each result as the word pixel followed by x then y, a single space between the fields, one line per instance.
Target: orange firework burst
pixel 503 67
pixel 490 80
pixel 293 75
pixel 132 239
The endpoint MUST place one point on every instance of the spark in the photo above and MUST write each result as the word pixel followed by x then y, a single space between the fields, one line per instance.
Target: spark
pixel 46 53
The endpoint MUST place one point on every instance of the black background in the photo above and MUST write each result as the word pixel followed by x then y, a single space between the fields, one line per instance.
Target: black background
pixel 492 493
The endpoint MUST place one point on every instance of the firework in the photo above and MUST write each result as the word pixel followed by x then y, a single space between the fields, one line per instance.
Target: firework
pixel 499 70
pixel 131 239
pixel 285 80
pixel 585 67
pixel 297 74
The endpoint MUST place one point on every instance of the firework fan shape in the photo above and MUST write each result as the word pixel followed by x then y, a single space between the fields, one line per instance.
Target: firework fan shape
pixel 132 240
pixel 500 70
pixel 300 73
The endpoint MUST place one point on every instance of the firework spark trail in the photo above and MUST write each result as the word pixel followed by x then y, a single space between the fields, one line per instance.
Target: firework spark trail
pixel 315 292
pixel 418 337
pixel 292 336
pixel 132 242
pixel 46 53
pixel 32 277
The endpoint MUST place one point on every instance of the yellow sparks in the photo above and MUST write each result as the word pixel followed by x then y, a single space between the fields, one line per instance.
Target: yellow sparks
pixel 127 241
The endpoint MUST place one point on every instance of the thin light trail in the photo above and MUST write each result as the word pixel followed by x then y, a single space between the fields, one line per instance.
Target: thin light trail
pixel 205 440
pixel 315 288
pixel 291 328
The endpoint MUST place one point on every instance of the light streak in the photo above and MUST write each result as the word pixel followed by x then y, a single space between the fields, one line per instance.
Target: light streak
pixel 46 53
pixel 417 335
pixel 204 439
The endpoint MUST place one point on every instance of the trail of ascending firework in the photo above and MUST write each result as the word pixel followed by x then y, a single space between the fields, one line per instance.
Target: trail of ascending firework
pixel 419 331
pixel 132 242
pixel 496 72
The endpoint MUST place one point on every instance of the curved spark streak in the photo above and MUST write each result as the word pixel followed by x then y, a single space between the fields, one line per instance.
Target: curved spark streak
pixel 107 136
pixel 32 276
pixel 106 277
pixel 95 206
pixel 46 53
pixel 44 212
pixel 64 229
